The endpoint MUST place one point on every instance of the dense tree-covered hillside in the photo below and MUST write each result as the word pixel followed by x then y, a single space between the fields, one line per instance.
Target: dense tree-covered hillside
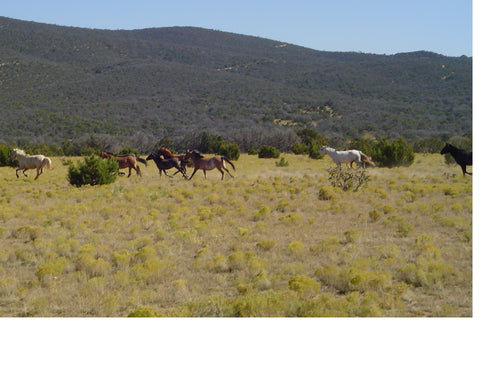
pixel 59 83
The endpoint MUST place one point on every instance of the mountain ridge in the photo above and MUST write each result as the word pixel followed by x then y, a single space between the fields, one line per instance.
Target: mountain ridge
pixel 64 82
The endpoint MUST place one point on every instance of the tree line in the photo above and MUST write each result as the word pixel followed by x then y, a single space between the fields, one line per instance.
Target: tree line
pixel 387 152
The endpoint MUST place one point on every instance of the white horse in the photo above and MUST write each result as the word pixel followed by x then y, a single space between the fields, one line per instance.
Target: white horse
pixel 26 162
pixel 347 156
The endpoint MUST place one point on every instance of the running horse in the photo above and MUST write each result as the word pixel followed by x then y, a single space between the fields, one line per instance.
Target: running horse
pixel 26 162
pixel 167 154
pixel 201 162
pixel 346 156
pixel 125 161
pixel 165 164
pixel 462 157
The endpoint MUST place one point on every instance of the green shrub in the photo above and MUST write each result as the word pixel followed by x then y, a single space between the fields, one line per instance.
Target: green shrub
pixel 268 152
pixel 5 154
pixel 299 148
pixel 229 150
pixel 396 153
pixel 282 162
pixel 129 150
pixel 93 170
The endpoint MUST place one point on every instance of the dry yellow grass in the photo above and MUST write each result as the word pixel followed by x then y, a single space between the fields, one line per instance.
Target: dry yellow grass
pixel 261 244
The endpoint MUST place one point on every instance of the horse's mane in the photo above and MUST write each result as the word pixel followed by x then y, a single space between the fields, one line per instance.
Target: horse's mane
pixel 197 154
pixel 457 148
pixel 20 151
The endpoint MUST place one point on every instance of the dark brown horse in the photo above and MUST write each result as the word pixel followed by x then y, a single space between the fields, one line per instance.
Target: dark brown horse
pixel 167 154
pixel 165 164
pixel 125 161
pixel 200 162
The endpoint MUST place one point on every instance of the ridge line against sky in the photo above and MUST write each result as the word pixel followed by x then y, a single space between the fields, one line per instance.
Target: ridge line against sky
pixel 368 26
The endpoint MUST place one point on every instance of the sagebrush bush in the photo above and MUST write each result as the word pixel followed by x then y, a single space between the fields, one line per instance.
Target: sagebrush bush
pixel 266 244
pixel 93 170
pixel 347 179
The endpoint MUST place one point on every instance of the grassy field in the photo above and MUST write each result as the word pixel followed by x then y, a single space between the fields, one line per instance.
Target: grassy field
pixel 273 241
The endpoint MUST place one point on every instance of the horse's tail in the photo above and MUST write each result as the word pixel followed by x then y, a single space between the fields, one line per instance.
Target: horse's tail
pixel 224 158
pixel 47 162
pixel 366 159
pixel 141 160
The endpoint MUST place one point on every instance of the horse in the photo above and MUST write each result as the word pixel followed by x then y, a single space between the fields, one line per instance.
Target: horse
pixel 347 156
pixel 26 162
pixel 200 162
pixel 125 161
pixel 167 154
pixel 462 157
pixel 164 164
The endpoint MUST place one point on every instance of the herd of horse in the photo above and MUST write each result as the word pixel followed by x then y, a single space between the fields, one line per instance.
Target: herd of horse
pixel 165 160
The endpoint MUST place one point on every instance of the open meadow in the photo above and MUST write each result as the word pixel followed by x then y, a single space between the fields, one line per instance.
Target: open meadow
pixel 273 241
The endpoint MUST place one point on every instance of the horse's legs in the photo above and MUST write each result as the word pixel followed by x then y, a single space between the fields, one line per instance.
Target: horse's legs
pixel 220 170
pixel 228 172
pixel 194 171
pixel 464 169
pixel 39 171
pixel 205 173
pixel 24 172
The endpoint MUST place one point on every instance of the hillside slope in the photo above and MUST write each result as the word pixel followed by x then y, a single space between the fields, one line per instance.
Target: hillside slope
pixel 63 82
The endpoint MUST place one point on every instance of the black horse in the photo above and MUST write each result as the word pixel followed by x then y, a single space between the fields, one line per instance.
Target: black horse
pixel 462 157
pixel 165 164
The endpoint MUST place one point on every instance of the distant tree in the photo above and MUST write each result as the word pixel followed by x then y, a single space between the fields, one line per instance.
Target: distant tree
pixel 210 143
pixel 366 144
pixel 129 150
pixel 428 145
pixel 299 148
pixel 5 153
pixel 312 142
pixel 268 152
pixel 395 153
pixel 230 150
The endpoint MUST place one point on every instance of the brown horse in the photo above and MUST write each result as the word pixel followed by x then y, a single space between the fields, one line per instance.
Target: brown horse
pixel 165 164
pixel 167 154
pixel 200 162
pixel 125 161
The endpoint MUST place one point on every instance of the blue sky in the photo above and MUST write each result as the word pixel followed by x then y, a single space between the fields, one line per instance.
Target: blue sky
pixel 370 26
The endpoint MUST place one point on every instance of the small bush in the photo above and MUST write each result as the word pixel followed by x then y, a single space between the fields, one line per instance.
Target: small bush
pixel 282 162
pixel 266 244
pixel 93 171
pixel 143 312
pixel 326 194
pixel 295 247
pixel 268 152
pixel 303 285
